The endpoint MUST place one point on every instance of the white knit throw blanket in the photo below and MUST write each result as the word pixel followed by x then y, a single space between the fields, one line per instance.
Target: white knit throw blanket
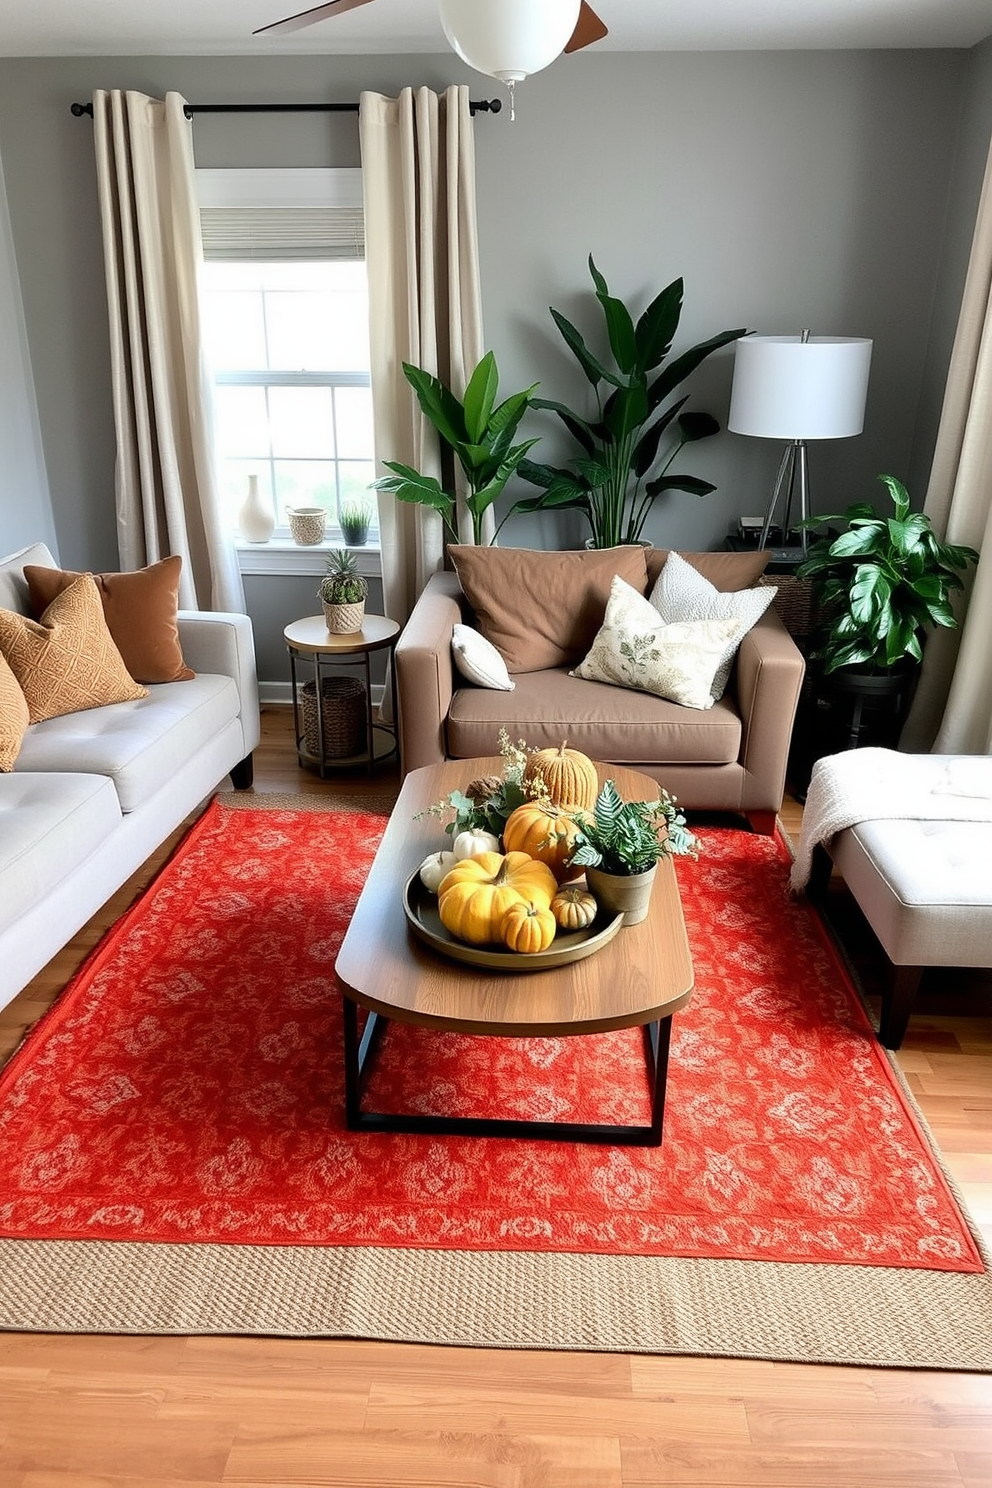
pixel 881 784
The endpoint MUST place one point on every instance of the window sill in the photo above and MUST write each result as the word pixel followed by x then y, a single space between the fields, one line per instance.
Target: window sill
pixel 280 555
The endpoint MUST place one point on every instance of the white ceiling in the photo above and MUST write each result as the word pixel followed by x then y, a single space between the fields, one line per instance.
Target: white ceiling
pixel 223 27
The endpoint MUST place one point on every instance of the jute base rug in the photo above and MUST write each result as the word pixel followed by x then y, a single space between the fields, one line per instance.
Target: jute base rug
pixel 145 1187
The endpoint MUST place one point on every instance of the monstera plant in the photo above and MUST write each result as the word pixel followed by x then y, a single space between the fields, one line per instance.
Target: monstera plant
pixel 627 448
pixel 882 583
pixel 480 434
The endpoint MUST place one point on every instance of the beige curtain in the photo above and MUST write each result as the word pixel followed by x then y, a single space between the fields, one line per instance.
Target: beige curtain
pixel 165 481
pixel 425 306
pixel 952 710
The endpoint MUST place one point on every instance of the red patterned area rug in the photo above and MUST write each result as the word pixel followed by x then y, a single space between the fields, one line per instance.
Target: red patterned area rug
pixel 187 1087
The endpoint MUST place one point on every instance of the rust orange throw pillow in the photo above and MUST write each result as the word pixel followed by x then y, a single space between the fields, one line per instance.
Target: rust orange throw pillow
pixel 141 611
pixel 539 608
pixel 14 716
pixel 67 661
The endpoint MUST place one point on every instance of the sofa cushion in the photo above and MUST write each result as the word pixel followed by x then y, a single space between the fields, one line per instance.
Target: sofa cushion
pixel 140 609
pixel 635 648
pixel 14 716
pixel 725 571
pixel 49 826
pixel 541 608
pixel 683 593
pixel 607 723
pixel 67 661
pixel 138 744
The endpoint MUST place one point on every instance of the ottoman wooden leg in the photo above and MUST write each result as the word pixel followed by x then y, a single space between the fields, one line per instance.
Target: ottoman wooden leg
pixel 897 1002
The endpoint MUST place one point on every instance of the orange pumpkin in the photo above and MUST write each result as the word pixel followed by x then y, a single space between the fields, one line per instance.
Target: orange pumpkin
pixel 527 928
pixel 474 896
pixel 546 832
pixel 570 777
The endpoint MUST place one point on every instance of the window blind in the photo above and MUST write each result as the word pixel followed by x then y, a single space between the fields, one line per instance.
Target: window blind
pixel 282 232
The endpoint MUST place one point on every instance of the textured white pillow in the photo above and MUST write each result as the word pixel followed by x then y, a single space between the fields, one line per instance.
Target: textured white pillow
pixel 635 648
pixel 682 593
pixel 478 660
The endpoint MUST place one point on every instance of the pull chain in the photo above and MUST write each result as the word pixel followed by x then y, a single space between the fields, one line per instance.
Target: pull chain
pixel 510 86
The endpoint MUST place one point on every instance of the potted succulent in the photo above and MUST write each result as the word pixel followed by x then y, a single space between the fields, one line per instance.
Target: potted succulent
pixel 477 431
pixel 620 845
pixel 627 447
pixel 882 583
pixel 342 593
pixel 355 518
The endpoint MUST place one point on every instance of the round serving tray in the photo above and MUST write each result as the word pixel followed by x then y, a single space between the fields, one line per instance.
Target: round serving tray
pixel 420 906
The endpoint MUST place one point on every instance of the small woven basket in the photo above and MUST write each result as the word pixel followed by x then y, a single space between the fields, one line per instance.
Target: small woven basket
pixel 344 619
pixel 306 524
pixel 343 717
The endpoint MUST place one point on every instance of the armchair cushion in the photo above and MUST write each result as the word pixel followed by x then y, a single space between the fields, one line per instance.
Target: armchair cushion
pixel 539 608
pixel 683 594
pixel 635 648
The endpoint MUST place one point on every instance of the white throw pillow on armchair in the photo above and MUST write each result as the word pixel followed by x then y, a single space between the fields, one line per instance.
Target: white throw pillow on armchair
pixel 478 660
pixel 681 593
pixel 635 648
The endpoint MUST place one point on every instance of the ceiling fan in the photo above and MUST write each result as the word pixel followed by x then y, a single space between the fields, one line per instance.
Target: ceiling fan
pixel 483 36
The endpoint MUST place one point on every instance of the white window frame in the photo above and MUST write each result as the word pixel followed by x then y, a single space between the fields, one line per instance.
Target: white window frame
pixel 304 188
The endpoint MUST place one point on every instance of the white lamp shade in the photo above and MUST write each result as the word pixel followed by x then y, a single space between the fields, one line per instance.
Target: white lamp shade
pixel 787 388
pixel 508 39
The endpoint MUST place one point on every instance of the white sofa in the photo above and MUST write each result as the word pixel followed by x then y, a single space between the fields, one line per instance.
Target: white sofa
pixel 93 794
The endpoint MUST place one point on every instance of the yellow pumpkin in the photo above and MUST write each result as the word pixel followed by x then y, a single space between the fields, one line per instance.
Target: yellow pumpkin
pixel 474 896
pixel 546 832
pixel 570 777
pixel 527 928
pixel 574 907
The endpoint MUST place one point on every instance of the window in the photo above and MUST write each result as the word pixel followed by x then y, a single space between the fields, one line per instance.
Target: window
pixel 286 327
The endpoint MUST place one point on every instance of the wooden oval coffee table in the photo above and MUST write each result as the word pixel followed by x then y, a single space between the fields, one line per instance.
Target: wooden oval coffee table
pixel 639 979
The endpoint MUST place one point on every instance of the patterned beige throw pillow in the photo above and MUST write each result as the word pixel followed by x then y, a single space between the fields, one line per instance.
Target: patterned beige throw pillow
pixel 635 648
pixel 66 661
pixel 14 717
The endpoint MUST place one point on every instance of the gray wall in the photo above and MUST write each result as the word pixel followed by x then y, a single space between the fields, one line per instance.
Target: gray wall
pixel 789 189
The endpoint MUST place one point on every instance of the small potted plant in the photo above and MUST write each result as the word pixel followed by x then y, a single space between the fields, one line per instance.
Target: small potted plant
pixel 343 593
pixel 355 518
pixel 881 583
pixel 621 844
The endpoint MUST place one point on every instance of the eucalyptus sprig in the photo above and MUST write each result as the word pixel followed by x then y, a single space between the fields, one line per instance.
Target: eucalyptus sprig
pixel 627 837
pixel 488 801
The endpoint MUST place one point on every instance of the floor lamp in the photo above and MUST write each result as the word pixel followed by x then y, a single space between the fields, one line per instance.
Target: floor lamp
pixel 798 388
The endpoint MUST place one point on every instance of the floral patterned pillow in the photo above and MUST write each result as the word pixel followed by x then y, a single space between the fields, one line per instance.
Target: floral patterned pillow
pixel 635 648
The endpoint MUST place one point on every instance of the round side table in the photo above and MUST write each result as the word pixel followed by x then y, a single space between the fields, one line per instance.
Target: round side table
pixel 310 641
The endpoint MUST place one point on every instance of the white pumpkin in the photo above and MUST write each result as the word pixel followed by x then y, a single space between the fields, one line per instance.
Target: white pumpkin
pixel 472 842
pixel 434 868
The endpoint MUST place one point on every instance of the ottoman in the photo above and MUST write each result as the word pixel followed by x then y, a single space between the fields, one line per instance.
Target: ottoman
pixel 925 887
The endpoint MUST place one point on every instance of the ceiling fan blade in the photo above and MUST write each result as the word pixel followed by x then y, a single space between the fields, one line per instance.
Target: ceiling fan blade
pixel 309 17
pixel 588 28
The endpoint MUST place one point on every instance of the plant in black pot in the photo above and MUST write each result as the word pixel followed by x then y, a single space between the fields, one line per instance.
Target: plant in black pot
pixel 621 844
pixel 881 584
pixel 629 444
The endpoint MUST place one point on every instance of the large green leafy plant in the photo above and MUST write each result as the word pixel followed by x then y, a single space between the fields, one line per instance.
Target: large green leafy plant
pixel 882 583
pixel 480 434
pixel 629 445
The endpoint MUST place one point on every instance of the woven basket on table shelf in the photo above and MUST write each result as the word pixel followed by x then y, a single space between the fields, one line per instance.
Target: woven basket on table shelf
pixel 344 719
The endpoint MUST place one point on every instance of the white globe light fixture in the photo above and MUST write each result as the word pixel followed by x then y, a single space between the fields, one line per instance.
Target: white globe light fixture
pixel 508 39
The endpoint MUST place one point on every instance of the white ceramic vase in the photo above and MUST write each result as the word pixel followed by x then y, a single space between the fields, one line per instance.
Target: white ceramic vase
pixel 255 519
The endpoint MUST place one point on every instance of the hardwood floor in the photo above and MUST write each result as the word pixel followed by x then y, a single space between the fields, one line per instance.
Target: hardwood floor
pixel 115 1412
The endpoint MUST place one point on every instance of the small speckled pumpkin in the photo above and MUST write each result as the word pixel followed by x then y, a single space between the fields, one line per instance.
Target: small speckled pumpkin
pixel 574 907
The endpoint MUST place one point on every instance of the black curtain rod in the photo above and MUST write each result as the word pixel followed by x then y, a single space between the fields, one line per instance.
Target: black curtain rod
pixel 479 106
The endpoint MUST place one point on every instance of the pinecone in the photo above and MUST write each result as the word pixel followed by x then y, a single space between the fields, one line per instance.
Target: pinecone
pixel 483 789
